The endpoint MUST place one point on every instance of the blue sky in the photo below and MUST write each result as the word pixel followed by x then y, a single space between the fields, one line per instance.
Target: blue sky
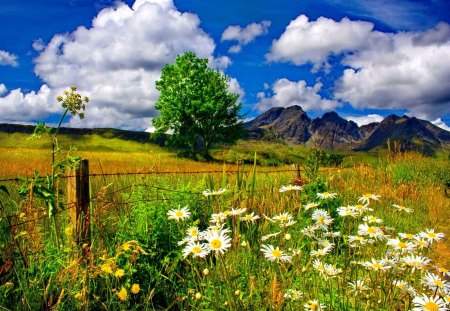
pixel 365 59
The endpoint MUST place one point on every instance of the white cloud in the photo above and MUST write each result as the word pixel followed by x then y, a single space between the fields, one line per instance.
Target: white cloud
pixel 288 93
pixel 438 122
pixel 245 35
pixel 116 62
pixel 38 45
pixel 313 42
pixel 3 89
pixel 363 120
pixel 17 106
pixel 234 87
pixel 8 59
pixel 406 70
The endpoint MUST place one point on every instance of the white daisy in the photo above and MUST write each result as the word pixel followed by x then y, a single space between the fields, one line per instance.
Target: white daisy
pixel 196 249
pixel 314 305
pixel 322 218
pixel 371 231
pixel 401 208
pixel 179 213
pixel 218 242
pixel 311 205
pixel 372 219
pixel 293 294
pixel 345 211
pixel 431 236
pixel 274 254
pixel 376 265
pixel 326 195
pixel 400 245
pixel 250 217
pixel 425 303
pixel 290 188
pixel 435 282
pixel 358 287
pixel 365 198
pixel 238 211
pixel 362 208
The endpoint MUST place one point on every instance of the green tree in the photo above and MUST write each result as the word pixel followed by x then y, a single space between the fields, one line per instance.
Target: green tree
pixel 196 106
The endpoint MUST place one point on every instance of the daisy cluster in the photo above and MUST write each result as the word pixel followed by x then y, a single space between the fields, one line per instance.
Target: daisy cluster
pixel 380 253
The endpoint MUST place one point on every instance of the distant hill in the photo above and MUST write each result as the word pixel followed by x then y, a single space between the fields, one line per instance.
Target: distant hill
pixel 141 137
pixel 333 132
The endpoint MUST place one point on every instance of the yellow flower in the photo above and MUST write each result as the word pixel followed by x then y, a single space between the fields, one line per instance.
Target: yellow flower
pixel 106 268
pixel 119 273
pixel 122 294
pixel 205 271
pixel 198 296
pixel 79 296
pixel 135 288
pixel 68 230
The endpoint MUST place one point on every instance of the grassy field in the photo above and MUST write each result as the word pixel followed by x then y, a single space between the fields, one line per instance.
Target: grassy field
pixel 178 242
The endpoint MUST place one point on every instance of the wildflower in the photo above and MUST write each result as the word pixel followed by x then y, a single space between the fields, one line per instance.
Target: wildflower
pixel 320 252
pixel 416 262
pixel 68 231
pixel 319 266
pixel 362 208
pixel 193 232
pixel 293 294
pixel 79 296
pixel 289 223
pixel 311 205
pixel 346 211
pixel 310 231
pixel 356 241
pixel 238 211
pixel 426 303
pixel 135 288
pixel 322 218
pixel 196 249
pixel 205 271
pixel 290 188
pixel 284 217
pixel 376 265
pixel 198 296
pixel 365 198
pixel 314 305
pixel 331 271
pixel 421 242
pixel 122 294
pixel 401 208
pixel 373 232
pixel 372 219
pixel 218 242
pixel 401 246
pixel 274 254
pixel 334 234
pixel 404 287
pixel 185 240
pixel 250 217
pixel 106 268
pixel 287 236
pixel 326 243
pixel 431 235
pixel 434 282
pixel 408 236
pixel 179 214
pixel 326 195
pixel 443 270
pixel 218 218
pixel 357 287
pixel 119 273
pixel 244 244
pixel 208 192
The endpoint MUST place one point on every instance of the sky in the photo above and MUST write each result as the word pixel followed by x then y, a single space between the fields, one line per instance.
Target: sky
pixel 365 59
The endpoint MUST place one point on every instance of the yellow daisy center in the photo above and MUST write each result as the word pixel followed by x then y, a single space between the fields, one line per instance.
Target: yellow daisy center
pixel 283 217
pixel 197 249
pixel 409 236
pixel 276 253
pixel 194 232
pixel 314 306
pixel 320 219
pixel 359 206
pixel 248 217
pixel 431 235
pixel 216 244
pixel 401 286
pixel 431 306
pixel 402 245
pixel 325 194
pixel 371 230
pixel 438 283
pixel 377 265
pixel 178 213
pixel 320 268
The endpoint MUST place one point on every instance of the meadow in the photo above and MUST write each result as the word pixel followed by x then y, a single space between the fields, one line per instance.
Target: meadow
pixel 370 234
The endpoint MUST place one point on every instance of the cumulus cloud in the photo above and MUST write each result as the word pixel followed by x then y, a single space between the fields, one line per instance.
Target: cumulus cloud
pixel 38 45
pixel 405 70
pixel 438 122
pixel 17 106
pixel 8 59
pixel 244 36
pixel 288 93
pixel 235 87
pixel 116 62
pixel 313 42
pixel 363 120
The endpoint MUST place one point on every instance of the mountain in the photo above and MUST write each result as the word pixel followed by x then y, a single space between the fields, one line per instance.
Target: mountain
pixel 333 132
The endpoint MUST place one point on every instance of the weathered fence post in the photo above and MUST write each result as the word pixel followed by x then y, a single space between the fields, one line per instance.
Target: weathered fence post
pixel 78 194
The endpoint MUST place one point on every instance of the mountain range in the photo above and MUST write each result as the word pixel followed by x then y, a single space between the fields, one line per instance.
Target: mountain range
pixel 332 132
pixel 293 125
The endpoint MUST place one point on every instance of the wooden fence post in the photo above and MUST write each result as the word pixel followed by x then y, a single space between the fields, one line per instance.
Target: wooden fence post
pixel 78 194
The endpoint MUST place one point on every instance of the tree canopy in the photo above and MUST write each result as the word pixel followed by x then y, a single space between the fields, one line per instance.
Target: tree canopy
pixel 196 106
